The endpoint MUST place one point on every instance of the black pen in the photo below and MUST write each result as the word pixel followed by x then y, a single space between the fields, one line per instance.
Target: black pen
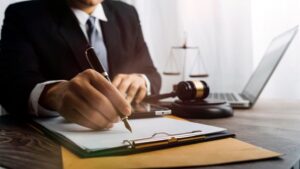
pixel 95 64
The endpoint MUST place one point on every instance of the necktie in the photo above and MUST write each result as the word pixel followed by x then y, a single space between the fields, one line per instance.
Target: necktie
pixel 96 40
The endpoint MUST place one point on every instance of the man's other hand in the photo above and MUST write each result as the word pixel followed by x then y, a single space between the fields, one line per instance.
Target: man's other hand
pixel 132 86
pixel 88 100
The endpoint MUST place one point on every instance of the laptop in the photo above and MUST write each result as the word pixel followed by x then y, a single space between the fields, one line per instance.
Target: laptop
pixel 261 75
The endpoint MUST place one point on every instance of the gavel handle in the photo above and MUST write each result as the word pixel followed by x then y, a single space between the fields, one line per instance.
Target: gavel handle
pixel 160 96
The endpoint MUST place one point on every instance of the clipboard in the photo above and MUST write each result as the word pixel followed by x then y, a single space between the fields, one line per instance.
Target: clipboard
pixel 160 140
pixel 171 140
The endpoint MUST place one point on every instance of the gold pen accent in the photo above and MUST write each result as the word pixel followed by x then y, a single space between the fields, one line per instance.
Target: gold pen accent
pixel 95 64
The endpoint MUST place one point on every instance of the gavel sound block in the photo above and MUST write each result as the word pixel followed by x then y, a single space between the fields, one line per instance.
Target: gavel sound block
pixel 193 102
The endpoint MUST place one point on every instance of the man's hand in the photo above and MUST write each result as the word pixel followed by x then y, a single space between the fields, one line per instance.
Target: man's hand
pixel 88 99
pixel 132 86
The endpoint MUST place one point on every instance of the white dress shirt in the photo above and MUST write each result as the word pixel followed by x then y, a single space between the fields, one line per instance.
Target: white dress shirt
pixel 82 17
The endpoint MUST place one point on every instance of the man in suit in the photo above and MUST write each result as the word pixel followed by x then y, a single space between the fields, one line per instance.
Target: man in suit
pixel 44 70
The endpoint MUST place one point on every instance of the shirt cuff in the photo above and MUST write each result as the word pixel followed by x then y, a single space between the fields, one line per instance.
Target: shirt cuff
pixel 34 107
pixel 148 84
pixel 2 111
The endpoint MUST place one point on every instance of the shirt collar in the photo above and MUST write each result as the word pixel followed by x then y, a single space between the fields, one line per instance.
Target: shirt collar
pixel 82 16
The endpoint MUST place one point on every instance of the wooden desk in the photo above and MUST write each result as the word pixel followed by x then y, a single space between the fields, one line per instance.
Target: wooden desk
pixel 271 124
pixel 23 147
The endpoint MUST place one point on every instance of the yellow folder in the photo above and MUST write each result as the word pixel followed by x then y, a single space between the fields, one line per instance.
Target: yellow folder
pixel 216 152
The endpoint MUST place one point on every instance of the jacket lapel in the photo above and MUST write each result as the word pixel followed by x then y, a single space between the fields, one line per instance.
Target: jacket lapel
pixel 74 37
pixel 112 40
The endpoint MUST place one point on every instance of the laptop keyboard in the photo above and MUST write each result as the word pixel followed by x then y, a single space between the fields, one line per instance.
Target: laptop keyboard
pixel 223 96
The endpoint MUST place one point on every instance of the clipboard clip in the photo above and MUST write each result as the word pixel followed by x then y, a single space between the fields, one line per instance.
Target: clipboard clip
pixel 165 139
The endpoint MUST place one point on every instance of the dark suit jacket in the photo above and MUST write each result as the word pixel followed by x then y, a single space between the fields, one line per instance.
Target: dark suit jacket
pixel 41 41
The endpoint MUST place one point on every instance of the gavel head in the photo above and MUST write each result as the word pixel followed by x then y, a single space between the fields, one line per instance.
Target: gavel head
pixel 192 90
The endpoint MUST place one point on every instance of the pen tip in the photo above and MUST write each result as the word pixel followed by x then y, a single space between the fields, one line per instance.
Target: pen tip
pixel 129 128
pixel 127 125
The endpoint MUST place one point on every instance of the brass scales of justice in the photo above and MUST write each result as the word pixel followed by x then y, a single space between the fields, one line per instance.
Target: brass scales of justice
pixel 197 69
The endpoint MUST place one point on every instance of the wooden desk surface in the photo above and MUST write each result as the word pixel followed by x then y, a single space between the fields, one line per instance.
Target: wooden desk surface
pixel 271 124
pixel 23 147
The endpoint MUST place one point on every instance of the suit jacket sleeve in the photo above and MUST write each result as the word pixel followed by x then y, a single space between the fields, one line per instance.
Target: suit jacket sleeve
pixel 19 68
pixel 144 57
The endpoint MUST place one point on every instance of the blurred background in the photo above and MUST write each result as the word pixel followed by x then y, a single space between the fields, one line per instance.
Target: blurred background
pixel 232 36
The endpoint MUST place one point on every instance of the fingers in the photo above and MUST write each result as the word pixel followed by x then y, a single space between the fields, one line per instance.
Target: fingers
pixel 75 110
pixel 132 91
pixel 95 100
pixel 122 82
pixel 91 101
pixel 132 86
pixel 109 91
pixel 137 91
pixel 141 95
pixel 117 80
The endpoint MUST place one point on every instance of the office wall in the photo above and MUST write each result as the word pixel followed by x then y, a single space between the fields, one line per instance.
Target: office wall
pixel 221 29
pixel 270 18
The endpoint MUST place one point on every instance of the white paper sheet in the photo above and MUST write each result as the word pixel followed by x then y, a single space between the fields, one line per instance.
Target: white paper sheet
pixel 142 128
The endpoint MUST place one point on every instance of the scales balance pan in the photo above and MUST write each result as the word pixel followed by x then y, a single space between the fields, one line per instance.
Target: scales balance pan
pixel 172 66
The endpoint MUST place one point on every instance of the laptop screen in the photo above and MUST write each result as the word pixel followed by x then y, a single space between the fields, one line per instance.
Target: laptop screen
pixel 267 65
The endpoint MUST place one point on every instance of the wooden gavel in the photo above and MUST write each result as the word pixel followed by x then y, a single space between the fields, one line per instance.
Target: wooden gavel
pixel 185 90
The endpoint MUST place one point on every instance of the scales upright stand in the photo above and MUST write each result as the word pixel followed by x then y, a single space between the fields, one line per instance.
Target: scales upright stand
pixel 197 70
